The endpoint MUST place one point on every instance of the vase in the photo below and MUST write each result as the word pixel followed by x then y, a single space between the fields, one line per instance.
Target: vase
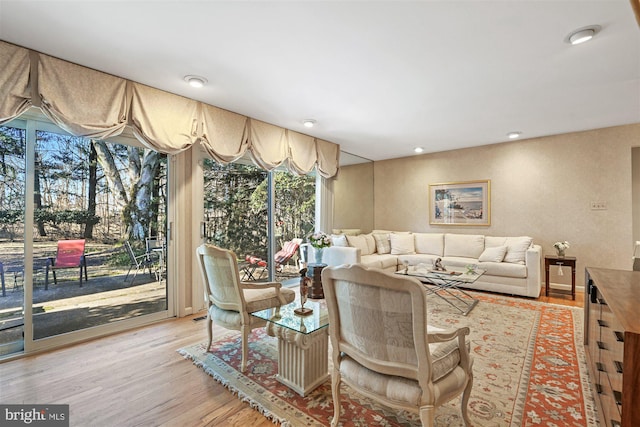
pixel 319 252
pixel 560 253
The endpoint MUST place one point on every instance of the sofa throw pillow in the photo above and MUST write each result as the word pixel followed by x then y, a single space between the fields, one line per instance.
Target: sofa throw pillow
pixel 494 254
pixel 371 243
pixel 383 244
pixel 359 242
pixel 339 240
pixel 402 244
pixel 517 248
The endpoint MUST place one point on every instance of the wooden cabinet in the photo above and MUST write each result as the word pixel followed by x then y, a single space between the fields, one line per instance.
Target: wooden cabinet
pixel 612 340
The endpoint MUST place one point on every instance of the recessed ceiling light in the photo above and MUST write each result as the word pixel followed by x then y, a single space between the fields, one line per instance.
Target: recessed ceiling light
pixel 418 150
pixel 514 135
pixel 195 81
pixel 582 35
pixel 309 123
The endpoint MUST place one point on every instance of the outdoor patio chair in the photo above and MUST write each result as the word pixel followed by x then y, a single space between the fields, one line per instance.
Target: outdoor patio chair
pixel 70 254
pixel 254 267
pixel 383 348
pixel 18 273
pixel 138 261
pixel 155 252
pixel 229 300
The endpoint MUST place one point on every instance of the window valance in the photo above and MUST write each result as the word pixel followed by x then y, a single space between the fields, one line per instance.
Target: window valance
pixel 14 81
pixel 94 104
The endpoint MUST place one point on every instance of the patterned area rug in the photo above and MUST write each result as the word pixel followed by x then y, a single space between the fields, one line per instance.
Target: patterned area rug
pixel 529 370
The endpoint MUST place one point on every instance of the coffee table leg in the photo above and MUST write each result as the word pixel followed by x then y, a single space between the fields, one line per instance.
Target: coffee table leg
pixel 303 359
pixel 469 302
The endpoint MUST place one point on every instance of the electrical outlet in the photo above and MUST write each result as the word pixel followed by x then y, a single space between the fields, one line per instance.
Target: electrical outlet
pixel 598 206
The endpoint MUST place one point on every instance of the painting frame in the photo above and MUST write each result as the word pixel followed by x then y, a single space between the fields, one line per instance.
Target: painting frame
pixel 464 203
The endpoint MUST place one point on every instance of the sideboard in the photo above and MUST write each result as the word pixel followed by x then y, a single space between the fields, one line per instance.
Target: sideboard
pixel 612 340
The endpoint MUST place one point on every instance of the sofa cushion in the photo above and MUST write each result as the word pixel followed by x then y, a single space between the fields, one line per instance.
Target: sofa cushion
pixel 503 269
pixel 402 243
pixel 416 259
pixel 429 243
pixel 383 244
pixel 517 248
pixel 458 261
pixel 383 262
pixel 494 254
pixel 364 242
pixel 339 240
pixel 493 241
pixel 463 245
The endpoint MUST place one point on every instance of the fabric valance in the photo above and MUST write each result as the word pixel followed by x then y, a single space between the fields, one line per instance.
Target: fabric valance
pixel 14 81
pixel 163 121
pixel 93 104
pixel 224 134
pixel 80 100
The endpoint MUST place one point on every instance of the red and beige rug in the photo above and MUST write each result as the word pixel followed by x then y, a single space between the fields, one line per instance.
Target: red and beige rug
pixel 529 370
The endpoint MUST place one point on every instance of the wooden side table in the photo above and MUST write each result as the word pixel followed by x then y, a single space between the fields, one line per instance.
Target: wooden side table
pixel 314 271
pixel 560 261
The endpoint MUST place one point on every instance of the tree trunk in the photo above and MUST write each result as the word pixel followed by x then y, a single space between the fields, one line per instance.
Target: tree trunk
pixel 37 196
pixel 108 163
pixel 144 192
pixel 93 183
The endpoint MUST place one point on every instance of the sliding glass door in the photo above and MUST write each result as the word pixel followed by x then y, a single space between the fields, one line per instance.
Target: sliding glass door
pixel 93 246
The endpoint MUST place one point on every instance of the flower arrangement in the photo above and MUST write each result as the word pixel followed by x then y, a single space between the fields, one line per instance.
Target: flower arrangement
pixel 561 246
pixel 320 240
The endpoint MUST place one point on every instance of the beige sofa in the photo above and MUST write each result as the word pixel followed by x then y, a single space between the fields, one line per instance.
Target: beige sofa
pixel 512 264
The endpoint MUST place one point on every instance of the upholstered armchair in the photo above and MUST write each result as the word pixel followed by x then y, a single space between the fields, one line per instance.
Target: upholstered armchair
pixel 230 301
pixel 383 348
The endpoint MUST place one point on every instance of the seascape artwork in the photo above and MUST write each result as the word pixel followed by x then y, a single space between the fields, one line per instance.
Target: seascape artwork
pixel 460 203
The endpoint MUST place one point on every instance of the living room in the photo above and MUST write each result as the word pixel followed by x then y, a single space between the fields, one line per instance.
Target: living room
pixel 578 183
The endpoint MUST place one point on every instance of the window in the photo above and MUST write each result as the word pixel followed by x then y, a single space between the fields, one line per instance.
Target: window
pixel 236 209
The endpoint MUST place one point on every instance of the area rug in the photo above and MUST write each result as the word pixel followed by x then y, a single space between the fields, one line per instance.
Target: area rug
pixel 529 370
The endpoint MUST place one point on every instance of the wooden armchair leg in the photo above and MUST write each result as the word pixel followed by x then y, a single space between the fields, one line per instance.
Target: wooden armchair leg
pixel 335 393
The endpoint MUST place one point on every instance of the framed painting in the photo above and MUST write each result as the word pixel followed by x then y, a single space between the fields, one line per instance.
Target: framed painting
pixel 460 203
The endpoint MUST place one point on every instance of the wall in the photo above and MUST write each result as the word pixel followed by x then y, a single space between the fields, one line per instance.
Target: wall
pixel 635 198
pixel 540 187
pixel 353 197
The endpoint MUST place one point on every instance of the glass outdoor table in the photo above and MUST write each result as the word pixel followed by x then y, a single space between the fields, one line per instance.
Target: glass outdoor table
pixel 446 284
pixel 303 344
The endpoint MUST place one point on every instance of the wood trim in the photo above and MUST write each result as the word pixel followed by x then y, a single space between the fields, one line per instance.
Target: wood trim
pixel 635 5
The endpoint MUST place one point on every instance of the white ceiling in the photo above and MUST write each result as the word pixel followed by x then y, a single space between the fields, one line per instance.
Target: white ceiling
pixel 379 77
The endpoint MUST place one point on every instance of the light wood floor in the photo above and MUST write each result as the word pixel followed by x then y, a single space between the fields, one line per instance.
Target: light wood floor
pixel 137 378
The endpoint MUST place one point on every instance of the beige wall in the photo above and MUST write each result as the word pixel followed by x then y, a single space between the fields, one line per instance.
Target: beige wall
pixel 635 198
pixel 353 197
pixel 541 187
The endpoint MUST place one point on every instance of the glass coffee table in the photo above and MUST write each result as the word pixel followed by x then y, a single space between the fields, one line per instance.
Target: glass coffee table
pixel 303 344
pixel 446 284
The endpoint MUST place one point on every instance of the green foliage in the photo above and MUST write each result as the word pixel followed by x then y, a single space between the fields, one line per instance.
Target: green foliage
pixel 236 207
pixel 294 205
pixel 65 217
pixel 11 216
pixel 230 221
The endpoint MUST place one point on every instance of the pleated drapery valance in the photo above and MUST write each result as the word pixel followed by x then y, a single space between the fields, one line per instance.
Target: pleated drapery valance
pixel 93 104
